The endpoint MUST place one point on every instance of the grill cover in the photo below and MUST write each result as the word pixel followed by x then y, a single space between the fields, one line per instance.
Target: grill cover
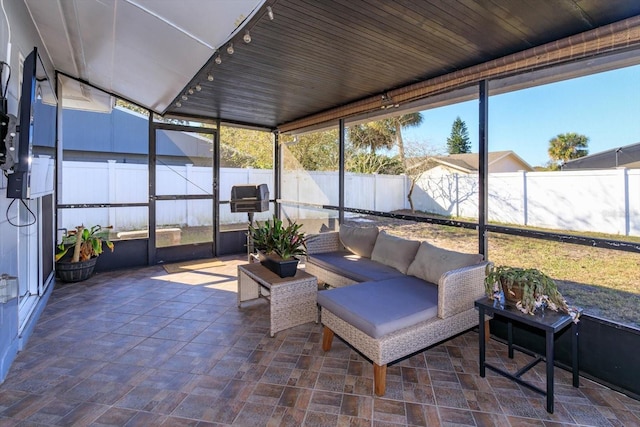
pixel 250 198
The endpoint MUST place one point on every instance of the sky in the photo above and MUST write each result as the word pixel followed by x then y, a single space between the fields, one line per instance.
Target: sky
pixel 605 107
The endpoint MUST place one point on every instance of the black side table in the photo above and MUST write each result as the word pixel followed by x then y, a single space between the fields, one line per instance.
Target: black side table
pixel 550 322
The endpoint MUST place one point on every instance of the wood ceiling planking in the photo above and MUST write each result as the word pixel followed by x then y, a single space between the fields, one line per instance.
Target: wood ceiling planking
pixel 320 54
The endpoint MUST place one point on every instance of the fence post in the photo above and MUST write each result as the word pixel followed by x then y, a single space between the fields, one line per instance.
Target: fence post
pixel 405 187
pixel 456 178
pixel 188 171
pixel 299 175
pixel 375 191
pixel 111 215
pixel 525 203
pixel 625 201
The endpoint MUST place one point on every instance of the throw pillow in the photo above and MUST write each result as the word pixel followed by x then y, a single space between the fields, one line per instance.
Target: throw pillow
pixel 359 240
pixel 394 251
pixel 432 262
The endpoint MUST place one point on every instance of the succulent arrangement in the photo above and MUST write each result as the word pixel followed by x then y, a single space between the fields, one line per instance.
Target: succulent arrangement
pixel 528 288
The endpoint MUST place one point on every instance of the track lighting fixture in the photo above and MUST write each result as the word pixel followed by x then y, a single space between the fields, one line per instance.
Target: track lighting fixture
pixel 210 77
pixel 190 91
pixel 387 102
pixel 178 104
pixel 270 13
pixel 230 49
pixel 247 37
pixel 218 59
pixel 185 97
pixel 198 87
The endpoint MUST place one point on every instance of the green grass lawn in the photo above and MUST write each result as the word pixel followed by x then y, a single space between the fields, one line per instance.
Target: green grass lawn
pixel 604 282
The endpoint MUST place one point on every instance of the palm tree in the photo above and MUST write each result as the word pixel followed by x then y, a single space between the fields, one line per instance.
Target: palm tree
pixel 567 146
pixel 384 133
pixel 372 135
pixel 404 121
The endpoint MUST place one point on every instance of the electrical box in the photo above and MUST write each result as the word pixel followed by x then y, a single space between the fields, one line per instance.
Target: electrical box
pixel 8 288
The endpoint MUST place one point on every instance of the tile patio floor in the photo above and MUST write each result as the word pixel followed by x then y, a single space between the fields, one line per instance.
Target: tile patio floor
pixel 146 348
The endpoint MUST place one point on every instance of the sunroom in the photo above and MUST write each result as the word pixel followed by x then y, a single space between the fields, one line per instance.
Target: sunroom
pixel 153 113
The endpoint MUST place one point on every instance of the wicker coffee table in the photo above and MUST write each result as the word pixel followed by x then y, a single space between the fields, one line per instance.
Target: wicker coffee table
pixel 292 299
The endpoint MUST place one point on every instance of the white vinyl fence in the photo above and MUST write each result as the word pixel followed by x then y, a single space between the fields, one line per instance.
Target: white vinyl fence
pixel 605 201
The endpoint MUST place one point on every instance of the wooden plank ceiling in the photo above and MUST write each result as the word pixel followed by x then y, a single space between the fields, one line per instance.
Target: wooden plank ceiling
pixel 320 54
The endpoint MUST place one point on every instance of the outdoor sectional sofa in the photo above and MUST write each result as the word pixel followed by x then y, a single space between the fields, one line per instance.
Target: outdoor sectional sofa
pixel 389 297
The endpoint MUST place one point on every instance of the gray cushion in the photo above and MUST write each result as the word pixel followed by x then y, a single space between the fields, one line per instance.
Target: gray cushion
pixel 431 262
pixel 379 308
pixel 353 267
pixel 359 240
pixel 394 251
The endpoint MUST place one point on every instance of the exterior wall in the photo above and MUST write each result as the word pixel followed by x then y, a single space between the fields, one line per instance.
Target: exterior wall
pixel 439 170
pixel 506 164
pixel 17 245
pixel 126 133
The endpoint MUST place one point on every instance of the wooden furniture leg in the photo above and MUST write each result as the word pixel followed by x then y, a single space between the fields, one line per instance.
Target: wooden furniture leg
pixel 327 339
pixel 379 379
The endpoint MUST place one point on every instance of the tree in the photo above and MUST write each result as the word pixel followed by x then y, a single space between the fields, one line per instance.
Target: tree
pixel 418 162
pixel 458 142
pixel 400 122
pixel 374 163
pixel 372 136
pixel 567 146
pixel 317 151
pixel 242 148
pixel 383 133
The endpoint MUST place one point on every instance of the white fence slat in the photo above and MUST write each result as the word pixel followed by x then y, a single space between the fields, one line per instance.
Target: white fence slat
pixel 605 201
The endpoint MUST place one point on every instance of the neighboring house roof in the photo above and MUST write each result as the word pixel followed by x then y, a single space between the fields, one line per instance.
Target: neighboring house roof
pixel 469 162
pixel 627 156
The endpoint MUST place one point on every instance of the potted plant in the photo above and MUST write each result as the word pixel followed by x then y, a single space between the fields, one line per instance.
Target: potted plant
pixel 87 245
pixel 528 288
pixel 278 245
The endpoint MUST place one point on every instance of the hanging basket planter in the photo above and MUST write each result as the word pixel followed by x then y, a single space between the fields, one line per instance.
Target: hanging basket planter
pixel 82 245
pixel 75 271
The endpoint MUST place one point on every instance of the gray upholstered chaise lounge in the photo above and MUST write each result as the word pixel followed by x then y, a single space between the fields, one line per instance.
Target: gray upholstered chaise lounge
pixel 392 297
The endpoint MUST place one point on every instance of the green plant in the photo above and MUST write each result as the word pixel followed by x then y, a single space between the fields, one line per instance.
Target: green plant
pixel 86 242
pixel 273 237
pixel 530 288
